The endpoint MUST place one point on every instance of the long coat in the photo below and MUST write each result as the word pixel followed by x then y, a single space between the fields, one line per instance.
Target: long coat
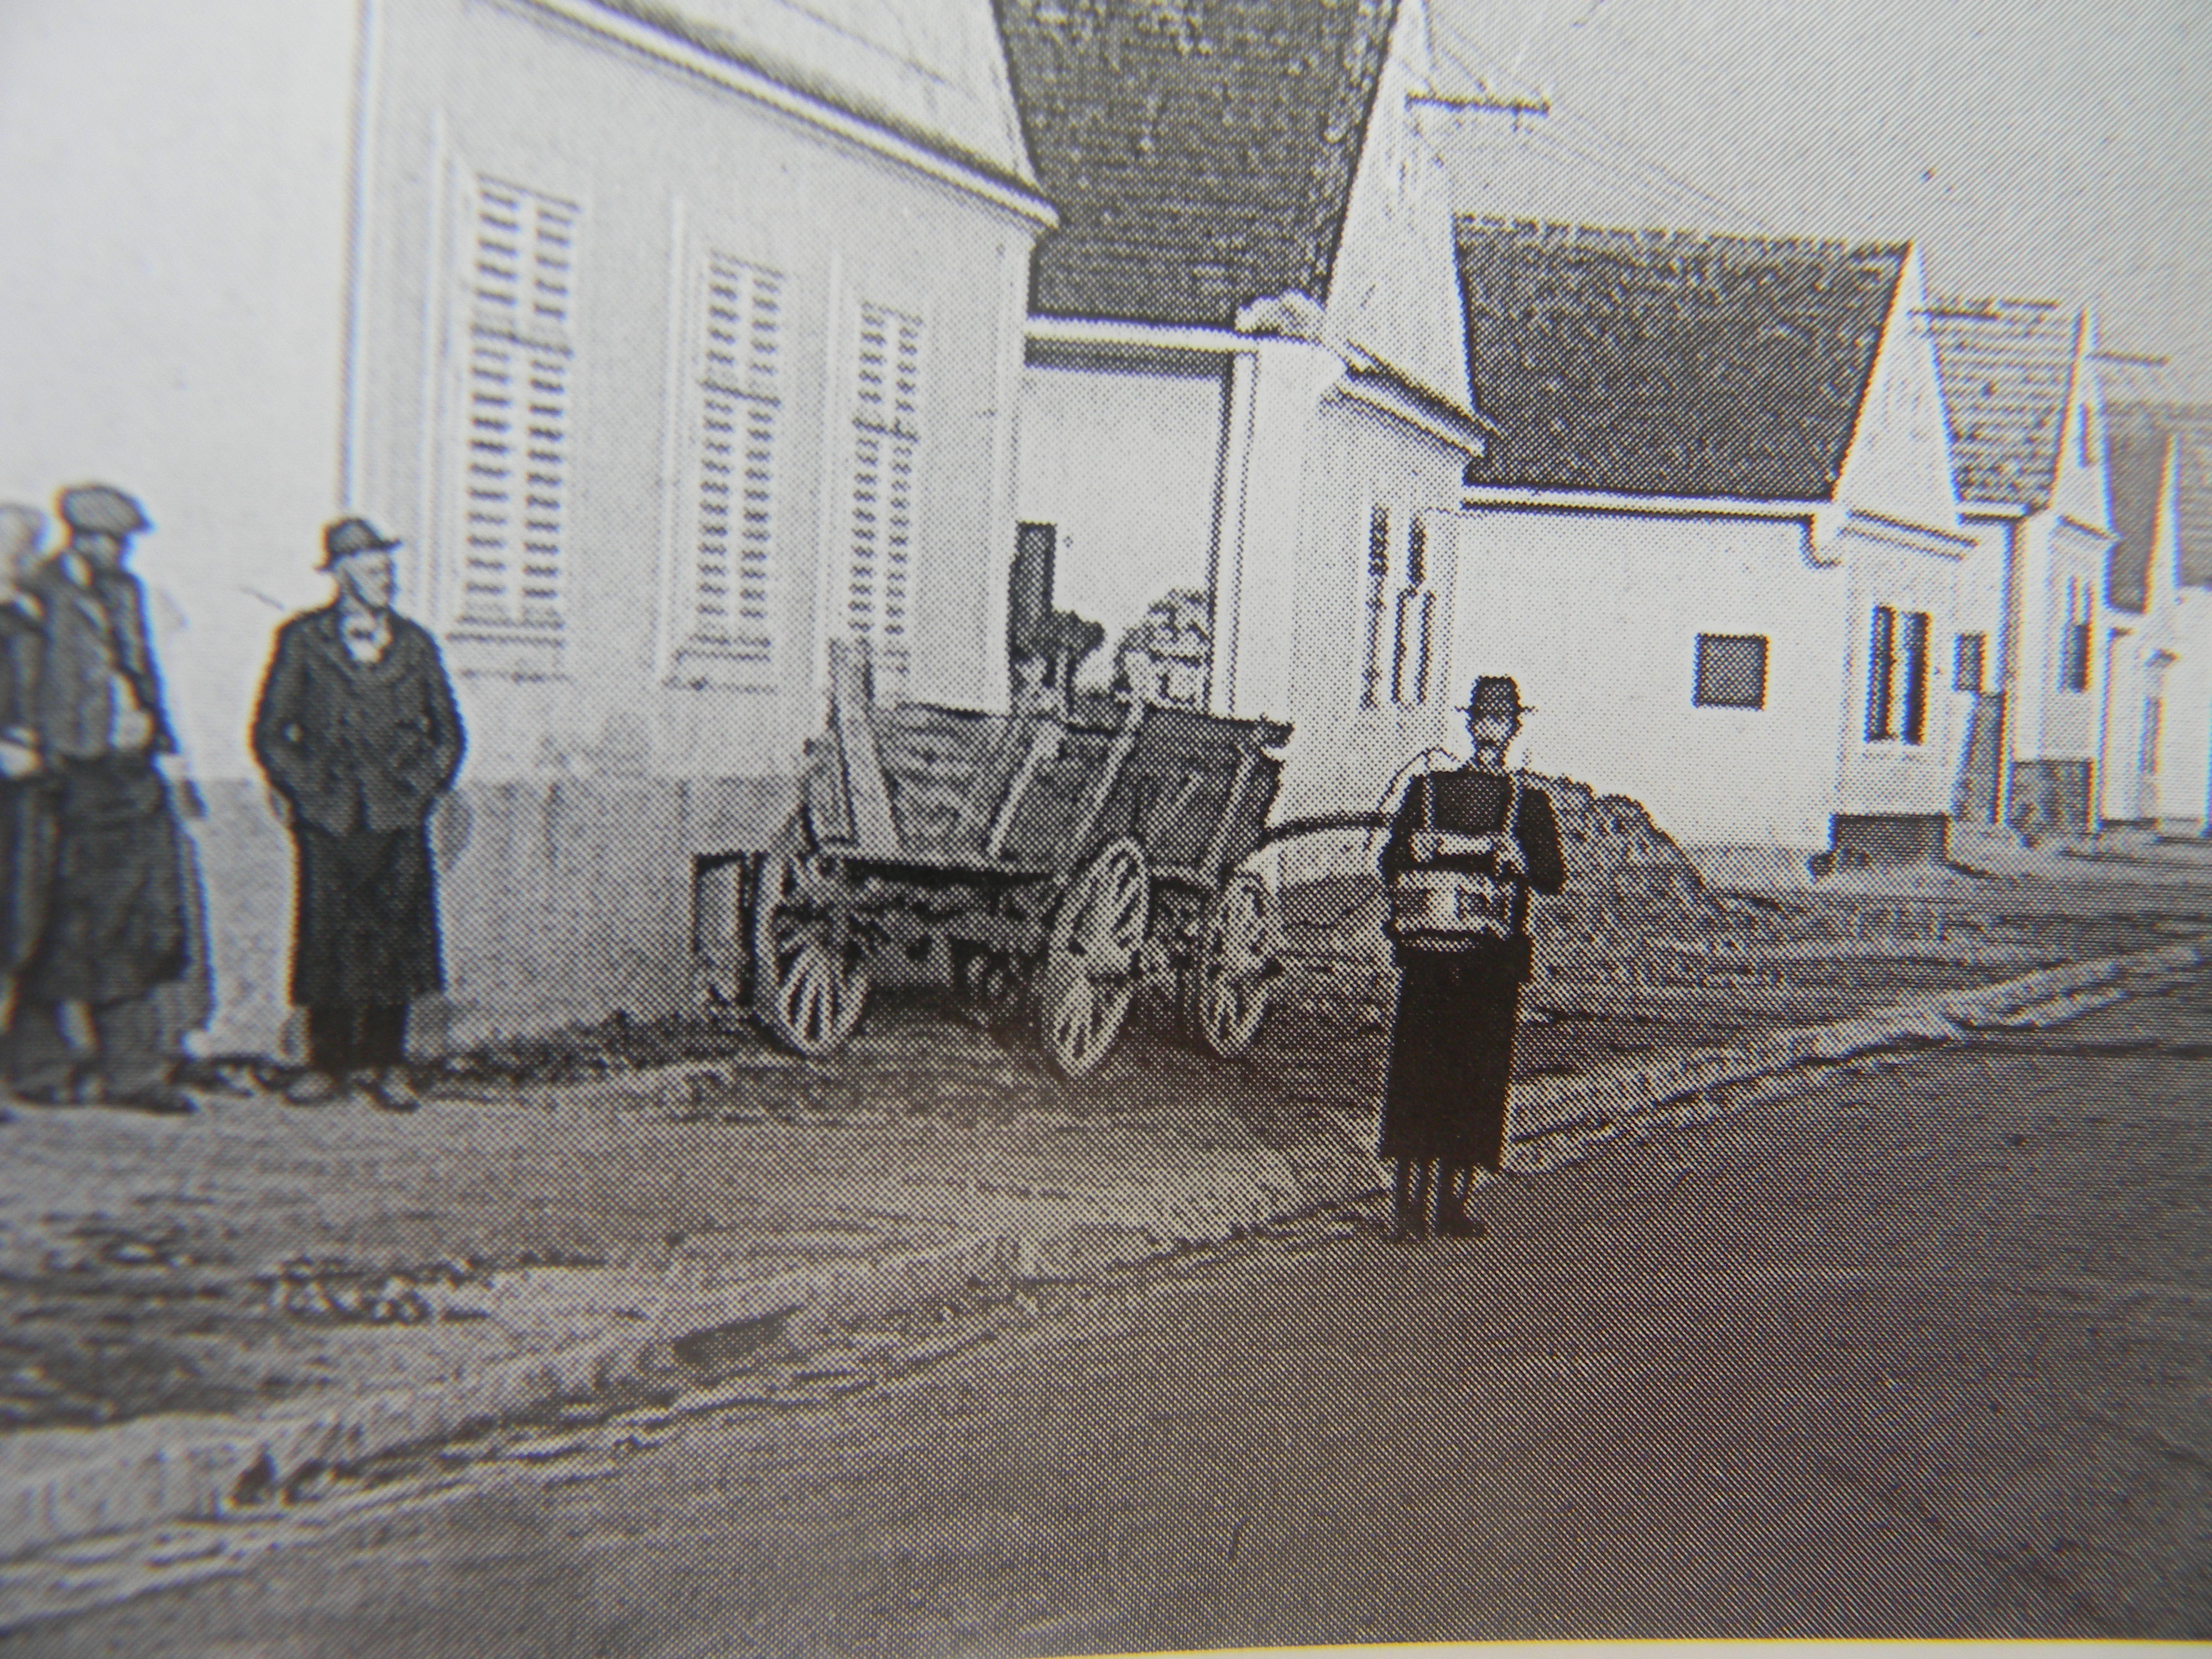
pixel 357 746
pixel 362 750
pixel 26 836
pixel 116 921
pixel 1451 1042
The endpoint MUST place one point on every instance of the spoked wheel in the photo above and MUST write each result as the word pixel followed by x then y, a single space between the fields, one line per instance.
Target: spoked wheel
pixel 810 981
pixel 1233 967
pixel 1090 972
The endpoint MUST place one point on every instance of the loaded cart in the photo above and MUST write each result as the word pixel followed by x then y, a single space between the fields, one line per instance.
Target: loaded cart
pixel 1058 860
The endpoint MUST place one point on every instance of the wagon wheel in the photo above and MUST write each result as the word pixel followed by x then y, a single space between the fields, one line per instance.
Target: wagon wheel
pixel 1090 952
pixel 810 981
pixel 1232 967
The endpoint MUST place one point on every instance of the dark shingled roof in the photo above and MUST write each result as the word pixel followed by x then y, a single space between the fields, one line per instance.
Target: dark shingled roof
pixel 2006 364
pixel 1670 363
pixel 2137 435
pixel 1201 152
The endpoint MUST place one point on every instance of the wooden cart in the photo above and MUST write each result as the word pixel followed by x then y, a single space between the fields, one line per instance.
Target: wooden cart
pixel 1056 861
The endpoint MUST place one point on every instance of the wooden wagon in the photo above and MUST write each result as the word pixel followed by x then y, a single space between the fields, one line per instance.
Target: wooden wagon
pixel 1056 861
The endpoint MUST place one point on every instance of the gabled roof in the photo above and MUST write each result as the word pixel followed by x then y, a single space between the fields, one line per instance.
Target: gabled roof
pixel 1201 152
pixel 2006 367
pixel 933 73
pixel 2137 435
pixel 1670 363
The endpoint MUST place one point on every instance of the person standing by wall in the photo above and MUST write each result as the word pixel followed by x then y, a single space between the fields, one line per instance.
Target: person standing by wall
pixel 1468 846
pixel 26 814
pixel 115 929
pixel 357 732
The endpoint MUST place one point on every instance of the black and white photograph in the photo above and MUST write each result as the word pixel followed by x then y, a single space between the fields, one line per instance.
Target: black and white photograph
pixel 926 828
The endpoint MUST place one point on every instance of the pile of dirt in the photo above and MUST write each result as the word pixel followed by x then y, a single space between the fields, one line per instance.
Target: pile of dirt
pixel 1626 879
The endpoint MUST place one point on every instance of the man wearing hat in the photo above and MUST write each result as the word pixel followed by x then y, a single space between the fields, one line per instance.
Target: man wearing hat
pixel 357 732
pixel 115 926
pixel 1466 848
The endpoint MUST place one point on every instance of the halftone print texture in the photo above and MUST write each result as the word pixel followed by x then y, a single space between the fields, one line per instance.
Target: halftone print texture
pixel 1075 827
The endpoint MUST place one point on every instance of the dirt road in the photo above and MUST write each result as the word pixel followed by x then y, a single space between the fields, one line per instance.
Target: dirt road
pixel 1921 1350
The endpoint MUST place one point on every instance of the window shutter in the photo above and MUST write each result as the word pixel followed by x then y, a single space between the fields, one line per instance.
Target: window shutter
pixel 1882 676
pixel 886 447
pixel 725 570
pixel 1915 677
pixel 520 281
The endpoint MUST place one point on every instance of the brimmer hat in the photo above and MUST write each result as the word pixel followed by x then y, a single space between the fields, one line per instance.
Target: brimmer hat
pixel 103 510
pixel 348 537
pixel 1496 693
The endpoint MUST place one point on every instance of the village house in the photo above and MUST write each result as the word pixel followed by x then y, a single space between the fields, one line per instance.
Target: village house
pixel 1244 399
pixel 674 340
pixel 2157 773
pixel 1714 537
pixel 2028 449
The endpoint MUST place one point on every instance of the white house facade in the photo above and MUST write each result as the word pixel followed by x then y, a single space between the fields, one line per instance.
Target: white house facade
pixel 1244 382
pixel 673 341
pixel 1714 538
pixel 2026 411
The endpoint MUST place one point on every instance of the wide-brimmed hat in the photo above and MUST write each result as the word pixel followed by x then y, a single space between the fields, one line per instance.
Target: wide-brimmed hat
pixel 1496 693
pixel 102 510
pixel 347 536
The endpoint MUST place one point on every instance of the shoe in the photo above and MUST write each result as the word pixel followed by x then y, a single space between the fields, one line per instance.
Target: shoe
pixel 164 1100
pixel 390 1090
pixel 313 1089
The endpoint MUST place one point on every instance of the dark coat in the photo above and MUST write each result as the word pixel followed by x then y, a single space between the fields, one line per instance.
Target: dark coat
pixel 94 635
pixel 357 745
pixel 1458 1009
pixel 26 831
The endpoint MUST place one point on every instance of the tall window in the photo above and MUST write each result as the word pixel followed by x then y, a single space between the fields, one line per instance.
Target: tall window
pixel 1731 671
pixel 519 286
pixel 2073 639
pixel 1969 662
pixel 1402 613
pixel 725 565
pixel 879 570
pixel 2154 716
pixel 1414 644
pixel 1378 599
pixel 1897 676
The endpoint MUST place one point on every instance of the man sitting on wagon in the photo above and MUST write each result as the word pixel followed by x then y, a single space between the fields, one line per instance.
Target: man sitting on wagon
pixel 1466 848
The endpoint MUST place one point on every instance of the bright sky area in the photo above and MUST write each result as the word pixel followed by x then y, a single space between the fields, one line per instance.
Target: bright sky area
pixel 2038 150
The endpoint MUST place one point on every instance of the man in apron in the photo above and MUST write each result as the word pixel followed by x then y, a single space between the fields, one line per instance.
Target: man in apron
pixel 1467 847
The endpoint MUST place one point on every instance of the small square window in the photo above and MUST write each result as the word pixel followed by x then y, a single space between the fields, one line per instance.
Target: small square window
pixel 1731 671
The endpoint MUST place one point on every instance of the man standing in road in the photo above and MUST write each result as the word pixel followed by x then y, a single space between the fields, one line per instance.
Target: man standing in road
pixel 88 1017
pixel 357 732
pixel 1466 848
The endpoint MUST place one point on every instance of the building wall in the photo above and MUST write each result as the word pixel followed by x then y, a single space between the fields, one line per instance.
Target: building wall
pixel 1891 776
pixel 207 371
pixel 1357 704
pixel 2184 748
pixel 1597 616
pixel 1125 458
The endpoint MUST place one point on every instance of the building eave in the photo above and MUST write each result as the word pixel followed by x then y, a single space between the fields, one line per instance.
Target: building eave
pixel 1007 195
pixel 1677 506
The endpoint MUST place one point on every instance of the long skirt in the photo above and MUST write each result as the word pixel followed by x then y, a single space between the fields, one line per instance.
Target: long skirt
pixel 1451 1053
pixel 366 928
pixel 115 924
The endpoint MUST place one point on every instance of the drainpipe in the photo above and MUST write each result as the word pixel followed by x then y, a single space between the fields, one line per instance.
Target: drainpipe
pixel 1228 573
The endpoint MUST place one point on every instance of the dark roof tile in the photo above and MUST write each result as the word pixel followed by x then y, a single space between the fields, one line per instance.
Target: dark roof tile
pixel 1670 363
pixel 1201 152
pixel 2006 366
pixel 2137 435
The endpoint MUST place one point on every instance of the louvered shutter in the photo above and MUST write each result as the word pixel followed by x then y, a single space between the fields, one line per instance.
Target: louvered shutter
pixel 726 568
pixel 886 449
pixel 517 373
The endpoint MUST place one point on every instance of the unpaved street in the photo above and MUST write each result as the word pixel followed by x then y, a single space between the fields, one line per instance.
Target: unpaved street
pixel 1918 1349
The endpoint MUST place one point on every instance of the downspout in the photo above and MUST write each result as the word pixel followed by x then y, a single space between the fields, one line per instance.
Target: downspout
pixel 2007 670
pixel 1227 576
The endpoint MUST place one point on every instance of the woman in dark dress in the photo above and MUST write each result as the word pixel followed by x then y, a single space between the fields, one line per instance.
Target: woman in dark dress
pixel 1467 847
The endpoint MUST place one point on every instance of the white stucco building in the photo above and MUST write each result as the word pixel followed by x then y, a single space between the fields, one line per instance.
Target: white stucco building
pixel 2157 770
pixel 673 340
pixel 1245 378
pixel 1715 537
pixel 2025 409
